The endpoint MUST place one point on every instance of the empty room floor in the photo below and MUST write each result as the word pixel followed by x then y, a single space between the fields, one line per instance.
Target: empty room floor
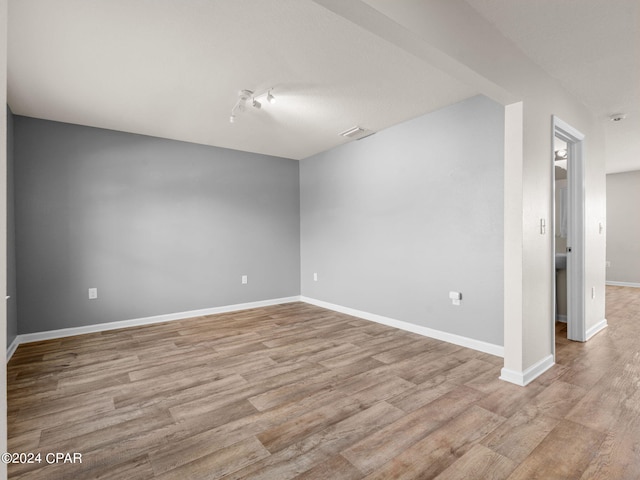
pixel 296 391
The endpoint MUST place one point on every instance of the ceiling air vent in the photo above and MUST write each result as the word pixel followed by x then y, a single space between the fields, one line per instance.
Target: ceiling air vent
pixel 352 132
pixel 357 132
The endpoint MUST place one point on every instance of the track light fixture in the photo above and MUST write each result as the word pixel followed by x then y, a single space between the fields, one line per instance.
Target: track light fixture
pixel 244 96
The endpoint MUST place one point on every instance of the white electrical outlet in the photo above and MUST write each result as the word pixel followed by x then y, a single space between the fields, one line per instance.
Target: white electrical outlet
pixel 593 292
pixel 315 277
pixel 455 297
pixel 245 280
pixel 93 293
pixel 608 264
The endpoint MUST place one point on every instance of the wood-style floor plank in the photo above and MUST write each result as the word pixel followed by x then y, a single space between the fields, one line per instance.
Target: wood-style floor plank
pixel 321 446
pixel 479 462
pixel 550 462
pixel 408 430
pixel 297 391
pixel 437 451
pixel 336 468
pixel 220 462
pixel 520 434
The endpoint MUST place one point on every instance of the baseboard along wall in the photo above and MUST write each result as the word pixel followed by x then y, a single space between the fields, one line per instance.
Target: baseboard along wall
pixel 598 327
pixel 136 322
pixel 492 349
pixel 527 376
pixel 622 284
pixel 478 345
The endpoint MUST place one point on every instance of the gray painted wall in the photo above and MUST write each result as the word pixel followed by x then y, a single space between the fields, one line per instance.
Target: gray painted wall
pixel 623 227
pixel 395 221
pixel 158 226
pixel 12 308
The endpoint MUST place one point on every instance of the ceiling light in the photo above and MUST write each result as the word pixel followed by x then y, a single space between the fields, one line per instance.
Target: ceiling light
pixel 561 155
pixel 243 98
pixel 244 95
pixel 617 117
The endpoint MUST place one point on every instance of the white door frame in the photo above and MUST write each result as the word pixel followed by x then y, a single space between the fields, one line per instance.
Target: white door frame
pixel 576 294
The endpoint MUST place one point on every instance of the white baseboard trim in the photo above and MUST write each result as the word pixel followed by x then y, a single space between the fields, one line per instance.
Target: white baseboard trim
pixel 479 345
pixel 601 325
pixel 623 284
pixel 12 347
pixel 103 327
pixel 524 378
pixel 561 318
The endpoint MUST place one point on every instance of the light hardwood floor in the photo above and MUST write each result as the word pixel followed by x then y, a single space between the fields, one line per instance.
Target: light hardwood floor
pixel 295 391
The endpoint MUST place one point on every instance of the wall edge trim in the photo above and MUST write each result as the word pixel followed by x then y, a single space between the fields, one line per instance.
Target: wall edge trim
pixel 478 345
pixel 598 327
pixel 11 349
pixel 522 379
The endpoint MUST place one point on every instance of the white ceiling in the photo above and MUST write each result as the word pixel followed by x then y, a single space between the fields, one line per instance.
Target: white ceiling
pixel 593 48
pixel 173 69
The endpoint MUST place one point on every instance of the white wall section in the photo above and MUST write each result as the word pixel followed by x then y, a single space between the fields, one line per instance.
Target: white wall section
pixel 623 228
pixel 155 225
pixel 491 55
pixel 396 221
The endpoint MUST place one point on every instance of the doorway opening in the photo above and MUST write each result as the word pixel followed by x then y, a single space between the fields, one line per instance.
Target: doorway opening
pixel 561 233
pixel 568 231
